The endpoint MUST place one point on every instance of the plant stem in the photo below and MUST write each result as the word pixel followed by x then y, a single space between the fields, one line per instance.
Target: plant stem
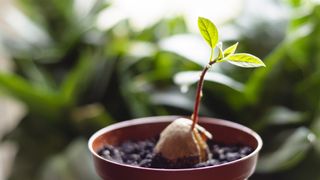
pixel 199 94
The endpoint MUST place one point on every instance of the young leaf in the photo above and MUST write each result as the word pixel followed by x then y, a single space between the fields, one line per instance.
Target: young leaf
pixel 221 55
pixel 245 60
pixel 208 31
pixel 230 50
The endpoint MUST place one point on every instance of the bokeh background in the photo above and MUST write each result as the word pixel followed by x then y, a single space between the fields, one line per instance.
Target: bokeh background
pixel 71 67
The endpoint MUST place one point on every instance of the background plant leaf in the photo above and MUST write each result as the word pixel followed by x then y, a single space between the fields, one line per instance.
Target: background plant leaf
pixel 189 77
pixel 289 154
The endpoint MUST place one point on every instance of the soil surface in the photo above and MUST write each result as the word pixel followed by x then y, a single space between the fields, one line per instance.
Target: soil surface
pixel 140 153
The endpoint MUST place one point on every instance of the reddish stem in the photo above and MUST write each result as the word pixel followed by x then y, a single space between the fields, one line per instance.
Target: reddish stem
pixel 198 95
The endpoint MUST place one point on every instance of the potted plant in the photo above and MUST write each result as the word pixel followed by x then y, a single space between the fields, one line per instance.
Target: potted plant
pixel 173 147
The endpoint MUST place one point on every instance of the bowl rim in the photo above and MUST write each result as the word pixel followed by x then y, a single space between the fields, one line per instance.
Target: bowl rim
pixel 160 119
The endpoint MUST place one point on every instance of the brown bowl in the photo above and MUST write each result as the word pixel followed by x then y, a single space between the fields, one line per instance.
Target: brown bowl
pixel 138 129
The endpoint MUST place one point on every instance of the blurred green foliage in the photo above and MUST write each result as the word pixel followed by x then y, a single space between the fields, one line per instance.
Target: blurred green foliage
pixel 77 79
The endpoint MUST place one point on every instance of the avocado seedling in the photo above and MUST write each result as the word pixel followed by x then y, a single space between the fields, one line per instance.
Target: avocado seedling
pixel 184 141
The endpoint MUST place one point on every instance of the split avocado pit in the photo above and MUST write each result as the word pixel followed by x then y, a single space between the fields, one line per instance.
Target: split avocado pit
pixel 179 143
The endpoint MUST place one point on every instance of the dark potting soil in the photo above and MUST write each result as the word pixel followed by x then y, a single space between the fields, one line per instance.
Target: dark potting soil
pixel 140 153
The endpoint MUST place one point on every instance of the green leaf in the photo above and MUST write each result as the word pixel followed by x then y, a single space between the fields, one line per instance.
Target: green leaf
pixel 288 154
pixel 44 102
pixel 257 81
pixel 279 115
pixel 245 60
pixel 77 78
pixel 230 50
pixel 208 31
pixel 221 55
